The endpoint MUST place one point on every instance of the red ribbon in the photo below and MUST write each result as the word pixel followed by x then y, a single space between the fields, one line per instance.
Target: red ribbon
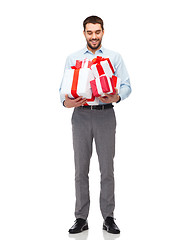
pixel 75 83
pixel 114 80
pixel 94 88
pixel 104 84
pixel 78 65
pixel 98 60
pixel 89 100
pixel 73 67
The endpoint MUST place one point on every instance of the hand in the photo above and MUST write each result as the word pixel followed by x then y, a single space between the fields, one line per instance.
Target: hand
pixel 110 98
pixel 77 102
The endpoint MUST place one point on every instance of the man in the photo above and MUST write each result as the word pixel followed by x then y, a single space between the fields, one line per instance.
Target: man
pixel 98 123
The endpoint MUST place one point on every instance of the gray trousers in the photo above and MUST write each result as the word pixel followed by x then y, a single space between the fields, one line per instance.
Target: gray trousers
pixel 99 125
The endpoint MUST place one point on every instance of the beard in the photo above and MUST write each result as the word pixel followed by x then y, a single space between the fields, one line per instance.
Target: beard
pixel 94 47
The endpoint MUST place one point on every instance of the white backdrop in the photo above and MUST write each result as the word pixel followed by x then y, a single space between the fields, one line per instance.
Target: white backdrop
pixel 36 168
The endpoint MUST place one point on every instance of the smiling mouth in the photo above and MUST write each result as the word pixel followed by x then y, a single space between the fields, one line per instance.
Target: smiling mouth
pixel 94 41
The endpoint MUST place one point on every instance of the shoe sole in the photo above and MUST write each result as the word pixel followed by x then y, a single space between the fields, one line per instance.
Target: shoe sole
pixel 106 229
pixel 83 229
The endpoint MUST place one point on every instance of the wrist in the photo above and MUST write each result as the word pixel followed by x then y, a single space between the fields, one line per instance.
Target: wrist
pixel 64 103
pixel 118 99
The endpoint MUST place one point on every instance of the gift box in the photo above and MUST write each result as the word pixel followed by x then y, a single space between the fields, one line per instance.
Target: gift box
pixel 85 63
pixel 102 66
pixel 104 84
pixel 76 82
pixel 92 101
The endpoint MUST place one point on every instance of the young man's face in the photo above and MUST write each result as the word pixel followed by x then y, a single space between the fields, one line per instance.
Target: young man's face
pixel 93 34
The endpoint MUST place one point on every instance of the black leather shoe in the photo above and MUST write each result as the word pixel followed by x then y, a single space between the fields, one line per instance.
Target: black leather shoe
pixel 110 226
pixel 79 226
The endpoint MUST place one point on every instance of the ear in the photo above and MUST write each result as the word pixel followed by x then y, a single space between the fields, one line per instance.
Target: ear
pixel 84 33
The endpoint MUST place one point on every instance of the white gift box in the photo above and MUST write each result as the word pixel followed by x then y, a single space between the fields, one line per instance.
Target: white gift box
pixel 102 85
pixel 102 68
pixel 76 82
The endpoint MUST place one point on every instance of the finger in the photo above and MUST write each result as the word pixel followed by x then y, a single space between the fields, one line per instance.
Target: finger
pixel 78 99
pixel 107 95
pixel 116 90
pixel 66 96
pixel 104 100
pixel 81 102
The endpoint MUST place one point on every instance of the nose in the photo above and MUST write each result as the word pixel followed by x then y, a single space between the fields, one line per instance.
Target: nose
pixel 94 35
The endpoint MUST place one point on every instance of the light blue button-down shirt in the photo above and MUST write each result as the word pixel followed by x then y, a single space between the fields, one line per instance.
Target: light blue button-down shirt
pixel 116 60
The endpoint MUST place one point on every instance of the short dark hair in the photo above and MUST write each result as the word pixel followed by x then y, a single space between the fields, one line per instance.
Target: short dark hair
pixel 94 20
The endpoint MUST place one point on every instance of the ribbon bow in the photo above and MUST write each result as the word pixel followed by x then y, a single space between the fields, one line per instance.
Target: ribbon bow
pixel 78 65
pixel 98 59
pixel 85 63
pixel 74 67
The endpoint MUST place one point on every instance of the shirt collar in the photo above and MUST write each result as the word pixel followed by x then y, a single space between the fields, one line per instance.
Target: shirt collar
pixel 85 50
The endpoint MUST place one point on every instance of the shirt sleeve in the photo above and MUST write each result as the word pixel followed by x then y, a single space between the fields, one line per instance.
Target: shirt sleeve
pixel 68 63
pixel 67 66
pixel 121 72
